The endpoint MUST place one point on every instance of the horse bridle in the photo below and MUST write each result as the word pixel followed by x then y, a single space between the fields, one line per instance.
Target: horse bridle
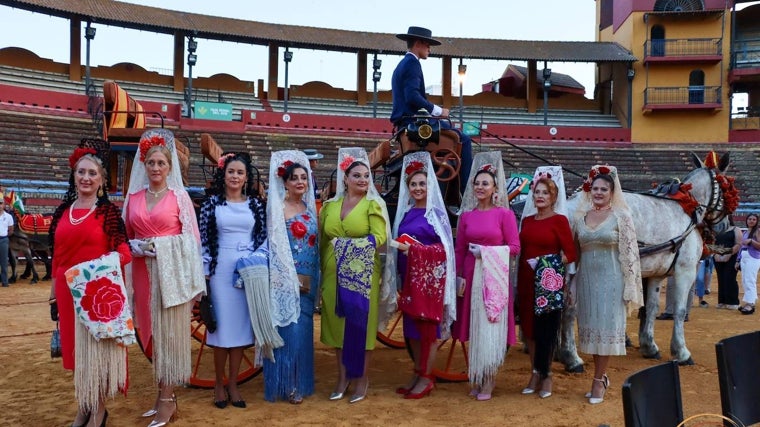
pixel 715 208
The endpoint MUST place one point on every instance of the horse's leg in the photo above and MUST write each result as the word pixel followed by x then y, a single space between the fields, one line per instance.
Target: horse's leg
pixel 647 346
pixel 684 279
pixel 30 265
pixel 567 351
pixel 27 271
pixel 12 261
pixel 46 260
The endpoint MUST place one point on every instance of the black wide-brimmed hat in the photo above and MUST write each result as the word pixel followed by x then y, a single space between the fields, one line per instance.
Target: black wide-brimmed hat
pixel 419 33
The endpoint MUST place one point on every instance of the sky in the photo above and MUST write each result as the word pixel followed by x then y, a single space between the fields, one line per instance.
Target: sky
pixel 543 20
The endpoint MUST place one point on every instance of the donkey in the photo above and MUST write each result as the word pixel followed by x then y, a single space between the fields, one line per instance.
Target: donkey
pixel 670 245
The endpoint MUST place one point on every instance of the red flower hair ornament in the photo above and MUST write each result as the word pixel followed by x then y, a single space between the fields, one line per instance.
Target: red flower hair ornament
pixel 413 167
pixel 596 171
pixel 148 143
pixel 77 154
pixel 283 168
pixel 487 168
pixel 539 176
pixel 346 162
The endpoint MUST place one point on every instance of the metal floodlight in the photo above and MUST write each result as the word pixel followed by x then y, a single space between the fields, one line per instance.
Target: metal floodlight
pixel 192 59
pixel 462 70
pixel 547 84
pixel 89 32
pixel 547 73
pixel 631 73
pixel 192 45
pixel 376 76
pixel 288 56
pixel 376 63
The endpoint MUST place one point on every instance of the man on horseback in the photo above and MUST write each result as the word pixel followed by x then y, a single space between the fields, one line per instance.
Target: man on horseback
pixel 6 229
pixel 408 90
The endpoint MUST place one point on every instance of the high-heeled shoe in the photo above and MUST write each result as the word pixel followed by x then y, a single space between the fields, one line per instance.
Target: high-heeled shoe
pixel 604 380
pixel 295 398
pixel 172 417
pixel 339 395
pixel 529 389
pixel 102 422
pixel 425 391
pixel 606 383
pixel 356 398
pixel 483 396
pixel 152 411
pixel 543 393
pixel 221 404
pixel 86 420
pixel 406 390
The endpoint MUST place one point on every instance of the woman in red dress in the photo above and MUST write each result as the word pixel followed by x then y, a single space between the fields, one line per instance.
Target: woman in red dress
pixel 86 226
pixel 544 233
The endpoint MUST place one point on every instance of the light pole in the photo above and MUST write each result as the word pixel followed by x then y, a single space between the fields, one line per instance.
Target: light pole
pixel 462 72
pixel 547 87
pixel 89 34
pixel 630 75
pixel 287 58
pixel 376 63
pixel 192 58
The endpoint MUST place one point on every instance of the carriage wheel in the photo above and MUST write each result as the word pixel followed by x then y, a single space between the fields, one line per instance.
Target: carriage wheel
pixel 202 375
pixel 448 164
pixel 451 361
pixel 393 336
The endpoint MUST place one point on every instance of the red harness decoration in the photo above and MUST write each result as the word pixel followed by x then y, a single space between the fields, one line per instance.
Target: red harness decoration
pixel 35 223
pixel 683 196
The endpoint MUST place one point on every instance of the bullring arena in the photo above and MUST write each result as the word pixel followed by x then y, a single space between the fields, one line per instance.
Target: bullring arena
pixel 643 129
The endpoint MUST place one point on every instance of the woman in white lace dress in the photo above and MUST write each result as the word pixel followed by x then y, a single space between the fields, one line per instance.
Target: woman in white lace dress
pixel 609 276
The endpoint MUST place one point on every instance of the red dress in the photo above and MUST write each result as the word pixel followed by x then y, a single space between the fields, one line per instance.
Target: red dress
pixel 75 244
pixel 539 237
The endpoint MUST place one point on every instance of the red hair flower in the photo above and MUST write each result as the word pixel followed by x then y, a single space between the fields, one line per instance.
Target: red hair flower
pixel 596 170
pixel 148 143
pixel 283 168
pixel 346 162
pixel 77 154
pixel 488 168
pixel 413 167
pixel 298 229
pixel 223 159
pixel 604 170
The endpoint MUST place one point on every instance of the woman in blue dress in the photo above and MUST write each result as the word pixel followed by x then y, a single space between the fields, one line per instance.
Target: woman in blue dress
pixel 293 275
pixel 232 226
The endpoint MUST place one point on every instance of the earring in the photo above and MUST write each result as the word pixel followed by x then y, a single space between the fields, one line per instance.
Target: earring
pixel 494 198
pixel 100 191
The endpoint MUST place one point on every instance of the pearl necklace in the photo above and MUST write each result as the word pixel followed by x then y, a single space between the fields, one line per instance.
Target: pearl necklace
pixel 157 193
pixel 77 221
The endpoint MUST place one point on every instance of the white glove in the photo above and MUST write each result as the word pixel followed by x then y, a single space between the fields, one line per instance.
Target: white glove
pixel 475 250
pixel 140 247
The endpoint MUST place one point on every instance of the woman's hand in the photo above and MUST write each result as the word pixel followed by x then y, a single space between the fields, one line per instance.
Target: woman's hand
pixel 142 248
pixel 404 248
pixel 461 283
pixel 474 250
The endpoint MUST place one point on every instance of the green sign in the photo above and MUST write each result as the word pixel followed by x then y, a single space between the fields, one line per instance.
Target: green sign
pixel 520 175
pixel 471 128
pixel 213 111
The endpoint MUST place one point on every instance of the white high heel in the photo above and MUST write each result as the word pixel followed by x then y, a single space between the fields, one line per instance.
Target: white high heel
pixel 606 383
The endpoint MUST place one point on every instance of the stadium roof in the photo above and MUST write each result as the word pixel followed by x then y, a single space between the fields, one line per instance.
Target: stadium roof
pixel 159 20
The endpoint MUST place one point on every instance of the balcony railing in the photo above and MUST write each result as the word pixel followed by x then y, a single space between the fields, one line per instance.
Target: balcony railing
pixel 683 49
pixel 745 53
pixel 686 97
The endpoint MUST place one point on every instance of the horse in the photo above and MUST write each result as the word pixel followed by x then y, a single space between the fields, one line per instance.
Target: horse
pixel 30 246
pixel 669 245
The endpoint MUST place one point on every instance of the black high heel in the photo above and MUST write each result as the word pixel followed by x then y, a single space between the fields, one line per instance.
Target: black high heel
pixel 86 420
pixel 221 404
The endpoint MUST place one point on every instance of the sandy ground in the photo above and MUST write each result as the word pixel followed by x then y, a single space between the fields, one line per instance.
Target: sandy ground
pixel 36 391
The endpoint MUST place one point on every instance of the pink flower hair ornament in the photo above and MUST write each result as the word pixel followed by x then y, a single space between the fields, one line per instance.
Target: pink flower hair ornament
pixel 223 160
pixel 148 143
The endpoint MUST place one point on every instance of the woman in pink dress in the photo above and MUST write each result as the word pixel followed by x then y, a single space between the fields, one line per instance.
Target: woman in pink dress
pixel 167 270
pixel 485 222
pixel 86 226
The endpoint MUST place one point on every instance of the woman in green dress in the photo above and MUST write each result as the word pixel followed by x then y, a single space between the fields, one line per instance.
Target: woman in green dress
pixel 354 227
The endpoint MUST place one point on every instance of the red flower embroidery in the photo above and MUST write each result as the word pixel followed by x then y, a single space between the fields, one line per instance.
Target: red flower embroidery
pixel 541 302
pixel 298 229
pixel 312 240
pixel 305 217
pixel 551 280
pixel 103 300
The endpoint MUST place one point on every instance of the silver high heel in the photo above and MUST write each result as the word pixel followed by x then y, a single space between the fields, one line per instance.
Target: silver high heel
pixel 543 394
pixel 359 397
pixel 339 395
pixel 529 390
pixel 173 417
pixel 606 383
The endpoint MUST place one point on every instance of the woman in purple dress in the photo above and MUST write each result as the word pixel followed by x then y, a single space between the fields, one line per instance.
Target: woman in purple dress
pixel 421 216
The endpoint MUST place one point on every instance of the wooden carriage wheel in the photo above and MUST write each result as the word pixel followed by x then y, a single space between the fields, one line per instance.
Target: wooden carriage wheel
pixel 393 336
pixel 447 163
pixel 202 375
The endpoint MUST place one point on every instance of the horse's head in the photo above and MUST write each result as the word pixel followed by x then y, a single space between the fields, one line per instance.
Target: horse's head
pixel 714 191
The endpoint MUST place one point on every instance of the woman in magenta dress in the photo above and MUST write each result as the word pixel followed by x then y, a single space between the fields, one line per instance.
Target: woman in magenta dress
pixel 485 222
pixel 422 215
pixel 544 232
pixel 86 226
pixel 166 272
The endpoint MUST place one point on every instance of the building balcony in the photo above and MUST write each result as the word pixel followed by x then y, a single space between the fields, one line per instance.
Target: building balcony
pixel 705 51
pixel 745 60
pixel 682 98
